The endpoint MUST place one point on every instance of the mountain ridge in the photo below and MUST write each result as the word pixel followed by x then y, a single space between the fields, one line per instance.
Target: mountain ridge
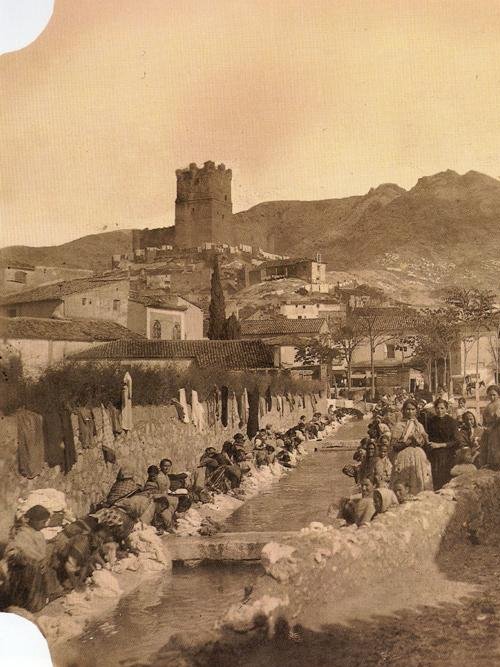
pixel 446 220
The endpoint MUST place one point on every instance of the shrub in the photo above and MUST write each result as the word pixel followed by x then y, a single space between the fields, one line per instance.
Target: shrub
pixel 76 384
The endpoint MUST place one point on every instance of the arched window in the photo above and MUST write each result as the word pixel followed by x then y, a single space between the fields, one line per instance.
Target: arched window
pixel 156 329
pixel 176 331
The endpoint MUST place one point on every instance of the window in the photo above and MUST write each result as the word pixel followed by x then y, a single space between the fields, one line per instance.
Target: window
pixel 84 301
pixel 12 312
pixel 391 351
pixel 116 304
pixel 20 276
pixel 176 331
pixel 225 197
pixel 156 329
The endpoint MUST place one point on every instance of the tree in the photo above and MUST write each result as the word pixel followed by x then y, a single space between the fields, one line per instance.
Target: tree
pixel 217 308
pixel 372 325
pixel 475 311
pixel 232 328
pixel 338 344
pixel 437 333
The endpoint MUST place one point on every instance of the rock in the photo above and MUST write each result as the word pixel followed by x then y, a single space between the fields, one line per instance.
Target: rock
pixel 278 562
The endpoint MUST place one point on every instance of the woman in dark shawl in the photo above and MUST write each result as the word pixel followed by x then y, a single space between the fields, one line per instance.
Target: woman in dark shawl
pixel 443 442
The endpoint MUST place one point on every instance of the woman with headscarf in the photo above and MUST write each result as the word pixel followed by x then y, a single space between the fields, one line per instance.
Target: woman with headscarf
pixel 410 464
pixel 26 558
pixel 124 486
pixel 469 435
pixel 442 430
pixel 366 468
pixel 490 441
pixel 359 509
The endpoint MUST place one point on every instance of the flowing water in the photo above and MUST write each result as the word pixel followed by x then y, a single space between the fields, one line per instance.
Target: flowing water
pixel 192 600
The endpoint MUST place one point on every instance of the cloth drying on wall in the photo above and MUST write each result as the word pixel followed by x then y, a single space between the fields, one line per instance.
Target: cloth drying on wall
pixel 244 407
pixel 195 409
pixel 211 406
pixel 269 399
pixel 235 415
pixel 127 419
pixel 69 441
pixel 253 413
pixel 99 426
pixel 108 438
pixel 115 417
pixel 184 405
pixel 86 427
pixel 53 439
pixel 224 406
pixel 76 432
pixel 30 449
pixel 262 407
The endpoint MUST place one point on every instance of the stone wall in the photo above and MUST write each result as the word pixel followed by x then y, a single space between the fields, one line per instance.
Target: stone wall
pixel 157 434
pixel 329 575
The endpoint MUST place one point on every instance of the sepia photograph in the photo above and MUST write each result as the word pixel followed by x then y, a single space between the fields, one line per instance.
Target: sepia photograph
pixel 250 333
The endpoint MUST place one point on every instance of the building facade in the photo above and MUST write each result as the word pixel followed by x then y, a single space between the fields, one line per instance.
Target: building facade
pixel 172 318
pixel 15 276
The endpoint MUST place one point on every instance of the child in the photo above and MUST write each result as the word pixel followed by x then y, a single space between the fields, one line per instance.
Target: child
pixel 383 466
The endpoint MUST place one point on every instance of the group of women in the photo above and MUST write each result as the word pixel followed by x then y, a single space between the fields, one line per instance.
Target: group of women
pixel 34 571
pixel 424 449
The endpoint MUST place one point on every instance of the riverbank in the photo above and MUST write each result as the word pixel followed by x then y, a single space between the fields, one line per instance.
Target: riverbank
pixel 59 633
pixel 419 586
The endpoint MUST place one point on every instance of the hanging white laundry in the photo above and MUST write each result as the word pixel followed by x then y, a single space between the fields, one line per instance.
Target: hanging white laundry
pixel 184 405
pixel 127 419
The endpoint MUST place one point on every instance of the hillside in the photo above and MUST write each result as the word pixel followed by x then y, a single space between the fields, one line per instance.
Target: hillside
pixel 446 229
pixel 88 252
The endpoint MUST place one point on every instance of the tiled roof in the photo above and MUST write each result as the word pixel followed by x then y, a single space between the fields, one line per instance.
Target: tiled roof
pixel 224 354
pixel 281 327
pixel 56 291
pixel 51 329
pixel 153 301
pixel 276 263
pixel 390 320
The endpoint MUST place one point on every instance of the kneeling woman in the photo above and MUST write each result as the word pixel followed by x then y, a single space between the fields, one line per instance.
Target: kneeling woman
pixel 29 583
pixel 410 463
pixel 359 510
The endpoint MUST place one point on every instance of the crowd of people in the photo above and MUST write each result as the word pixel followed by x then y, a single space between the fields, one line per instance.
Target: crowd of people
pixel 34 571
pixel 415 445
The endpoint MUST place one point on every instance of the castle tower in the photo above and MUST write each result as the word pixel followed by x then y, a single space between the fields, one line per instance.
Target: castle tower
pixel 203 207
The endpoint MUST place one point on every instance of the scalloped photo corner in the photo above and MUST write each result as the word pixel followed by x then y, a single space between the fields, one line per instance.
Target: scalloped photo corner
pixel 22 22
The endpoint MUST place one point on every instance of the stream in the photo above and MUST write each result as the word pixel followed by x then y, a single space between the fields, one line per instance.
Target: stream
pixel 191 600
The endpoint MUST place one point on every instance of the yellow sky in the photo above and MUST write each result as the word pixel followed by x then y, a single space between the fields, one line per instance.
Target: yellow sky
pixel 306 99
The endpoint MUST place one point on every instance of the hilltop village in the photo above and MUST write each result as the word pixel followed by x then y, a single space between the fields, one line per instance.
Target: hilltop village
pixel 161 290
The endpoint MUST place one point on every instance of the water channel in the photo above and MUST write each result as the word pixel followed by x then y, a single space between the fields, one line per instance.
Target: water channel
pixel 192 600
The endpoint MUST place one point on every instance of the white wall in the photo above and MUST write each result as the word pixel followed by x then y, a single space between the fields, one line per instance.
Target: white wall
pixel 37 355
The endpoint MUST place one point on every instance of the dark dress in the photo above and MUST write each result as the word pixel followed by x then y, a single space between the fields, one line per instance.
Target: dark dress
pixel 442 429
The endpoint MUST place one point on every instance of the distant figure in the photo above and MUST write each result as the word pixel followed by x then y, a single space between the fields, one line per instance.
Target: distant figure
pixel 490 441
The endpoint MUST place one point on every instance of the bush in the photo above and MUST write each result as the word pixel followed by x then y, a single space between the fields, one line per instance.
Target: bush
pixel 77 384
